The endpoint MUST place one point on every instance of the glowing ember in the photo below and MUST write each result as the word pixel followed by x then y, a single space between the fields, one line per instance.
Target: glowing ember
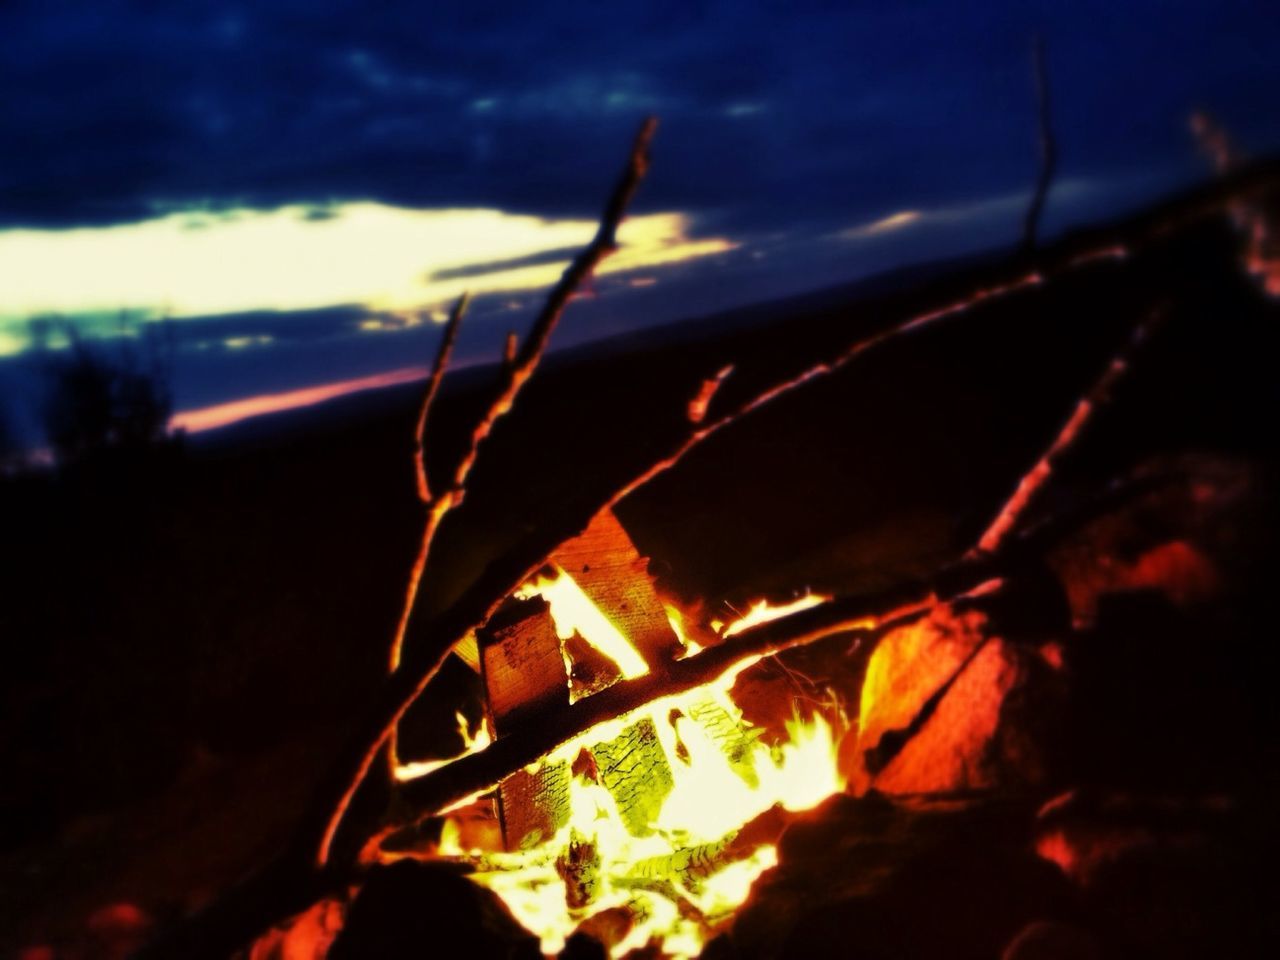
pixel 661 819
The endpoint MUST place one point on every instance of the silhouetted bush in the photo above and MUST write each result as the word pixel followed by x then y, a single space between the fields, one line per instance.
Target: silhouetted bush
pixel 104 397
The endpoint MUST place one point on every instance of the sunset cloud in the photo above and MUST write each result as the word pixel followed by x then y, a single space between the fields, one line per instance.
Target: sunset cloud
pixel 384 257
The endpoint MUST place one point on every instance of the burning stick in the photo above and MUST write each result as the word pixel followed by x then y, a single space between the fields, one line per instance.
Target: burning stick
pixel 1029 487
pixel 1261 256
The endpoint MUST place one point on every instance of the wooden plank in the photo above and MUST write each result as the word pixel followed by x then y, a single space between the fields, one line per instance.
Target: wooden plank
pixel 524 672
pixel 534 805
pixel 634 769
pixel 604 562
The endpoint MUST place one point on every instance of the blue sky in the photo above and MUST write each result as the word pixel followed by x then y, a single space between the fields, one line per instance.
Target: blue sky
pixel 304 186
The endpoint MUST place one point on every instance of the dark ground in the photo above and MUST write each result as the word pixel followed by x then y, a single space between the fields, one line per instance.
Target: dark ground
pixel 188 637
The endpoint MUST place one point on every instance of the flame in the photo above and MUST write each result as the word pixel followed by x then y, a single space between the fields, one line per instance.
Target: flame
pixel 573 612
pixel 762 611
pixel 673 880
pixel 676 618
pixel 471 743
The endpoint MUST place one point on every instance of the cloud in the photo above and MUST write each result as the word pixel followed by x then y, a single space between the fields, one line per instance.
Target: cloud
pixel 773 114
pixel 978 212
pixel 885 224
pixel 542 257
pixel 386 258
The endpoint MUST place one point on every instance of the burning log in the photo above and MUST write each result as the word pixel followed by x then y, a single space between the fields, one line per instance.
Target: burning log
pixel 605 563
pixel 523 667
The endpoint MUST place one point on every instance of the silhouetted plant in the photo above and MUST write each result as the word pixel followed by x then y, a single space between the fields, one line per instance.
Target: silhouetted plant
pixel 102 397
pixel 8 443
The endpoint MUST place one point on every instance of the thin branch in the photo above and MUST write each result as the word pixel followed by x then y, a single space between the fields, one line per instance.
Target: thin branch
pixel 1258 227
pixel 429 395
pixel 697 410
pixel 1048 146
pixel 1015 509
pixel 701 434
pixel 518 371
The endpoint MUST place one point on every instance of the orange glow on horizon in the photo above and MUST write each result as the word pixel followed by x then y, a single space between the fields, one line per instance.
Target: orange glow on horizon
pixel 219 415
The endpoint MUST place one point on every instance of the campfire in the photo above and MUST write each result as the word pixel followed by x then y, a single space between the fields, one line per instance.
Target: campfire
pixel 639 756
pixel 649 827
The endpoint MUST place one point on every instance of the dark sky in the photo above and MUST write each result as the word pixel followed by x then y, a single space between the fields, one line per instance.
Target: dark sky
pixel 783 124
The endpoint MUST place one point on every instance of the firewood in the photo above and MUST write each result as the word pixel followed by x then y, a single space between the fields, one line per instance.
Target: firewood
pixel 637 773
pixel 524 671
pixel 968 581
pixel 534 806
pixel 604 562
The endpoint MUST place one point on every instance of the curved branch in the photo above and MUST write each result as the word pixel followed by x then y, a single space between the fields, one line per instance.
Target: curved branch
pixel 429 395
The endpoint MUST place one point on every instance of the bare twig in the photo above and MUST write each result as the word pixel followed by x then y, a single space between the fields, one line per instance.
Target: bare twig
pixel 518 371
pixel 520 366
pixel 1048 146
pixel 1014 510
pixel 429 394
pixel 697 411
